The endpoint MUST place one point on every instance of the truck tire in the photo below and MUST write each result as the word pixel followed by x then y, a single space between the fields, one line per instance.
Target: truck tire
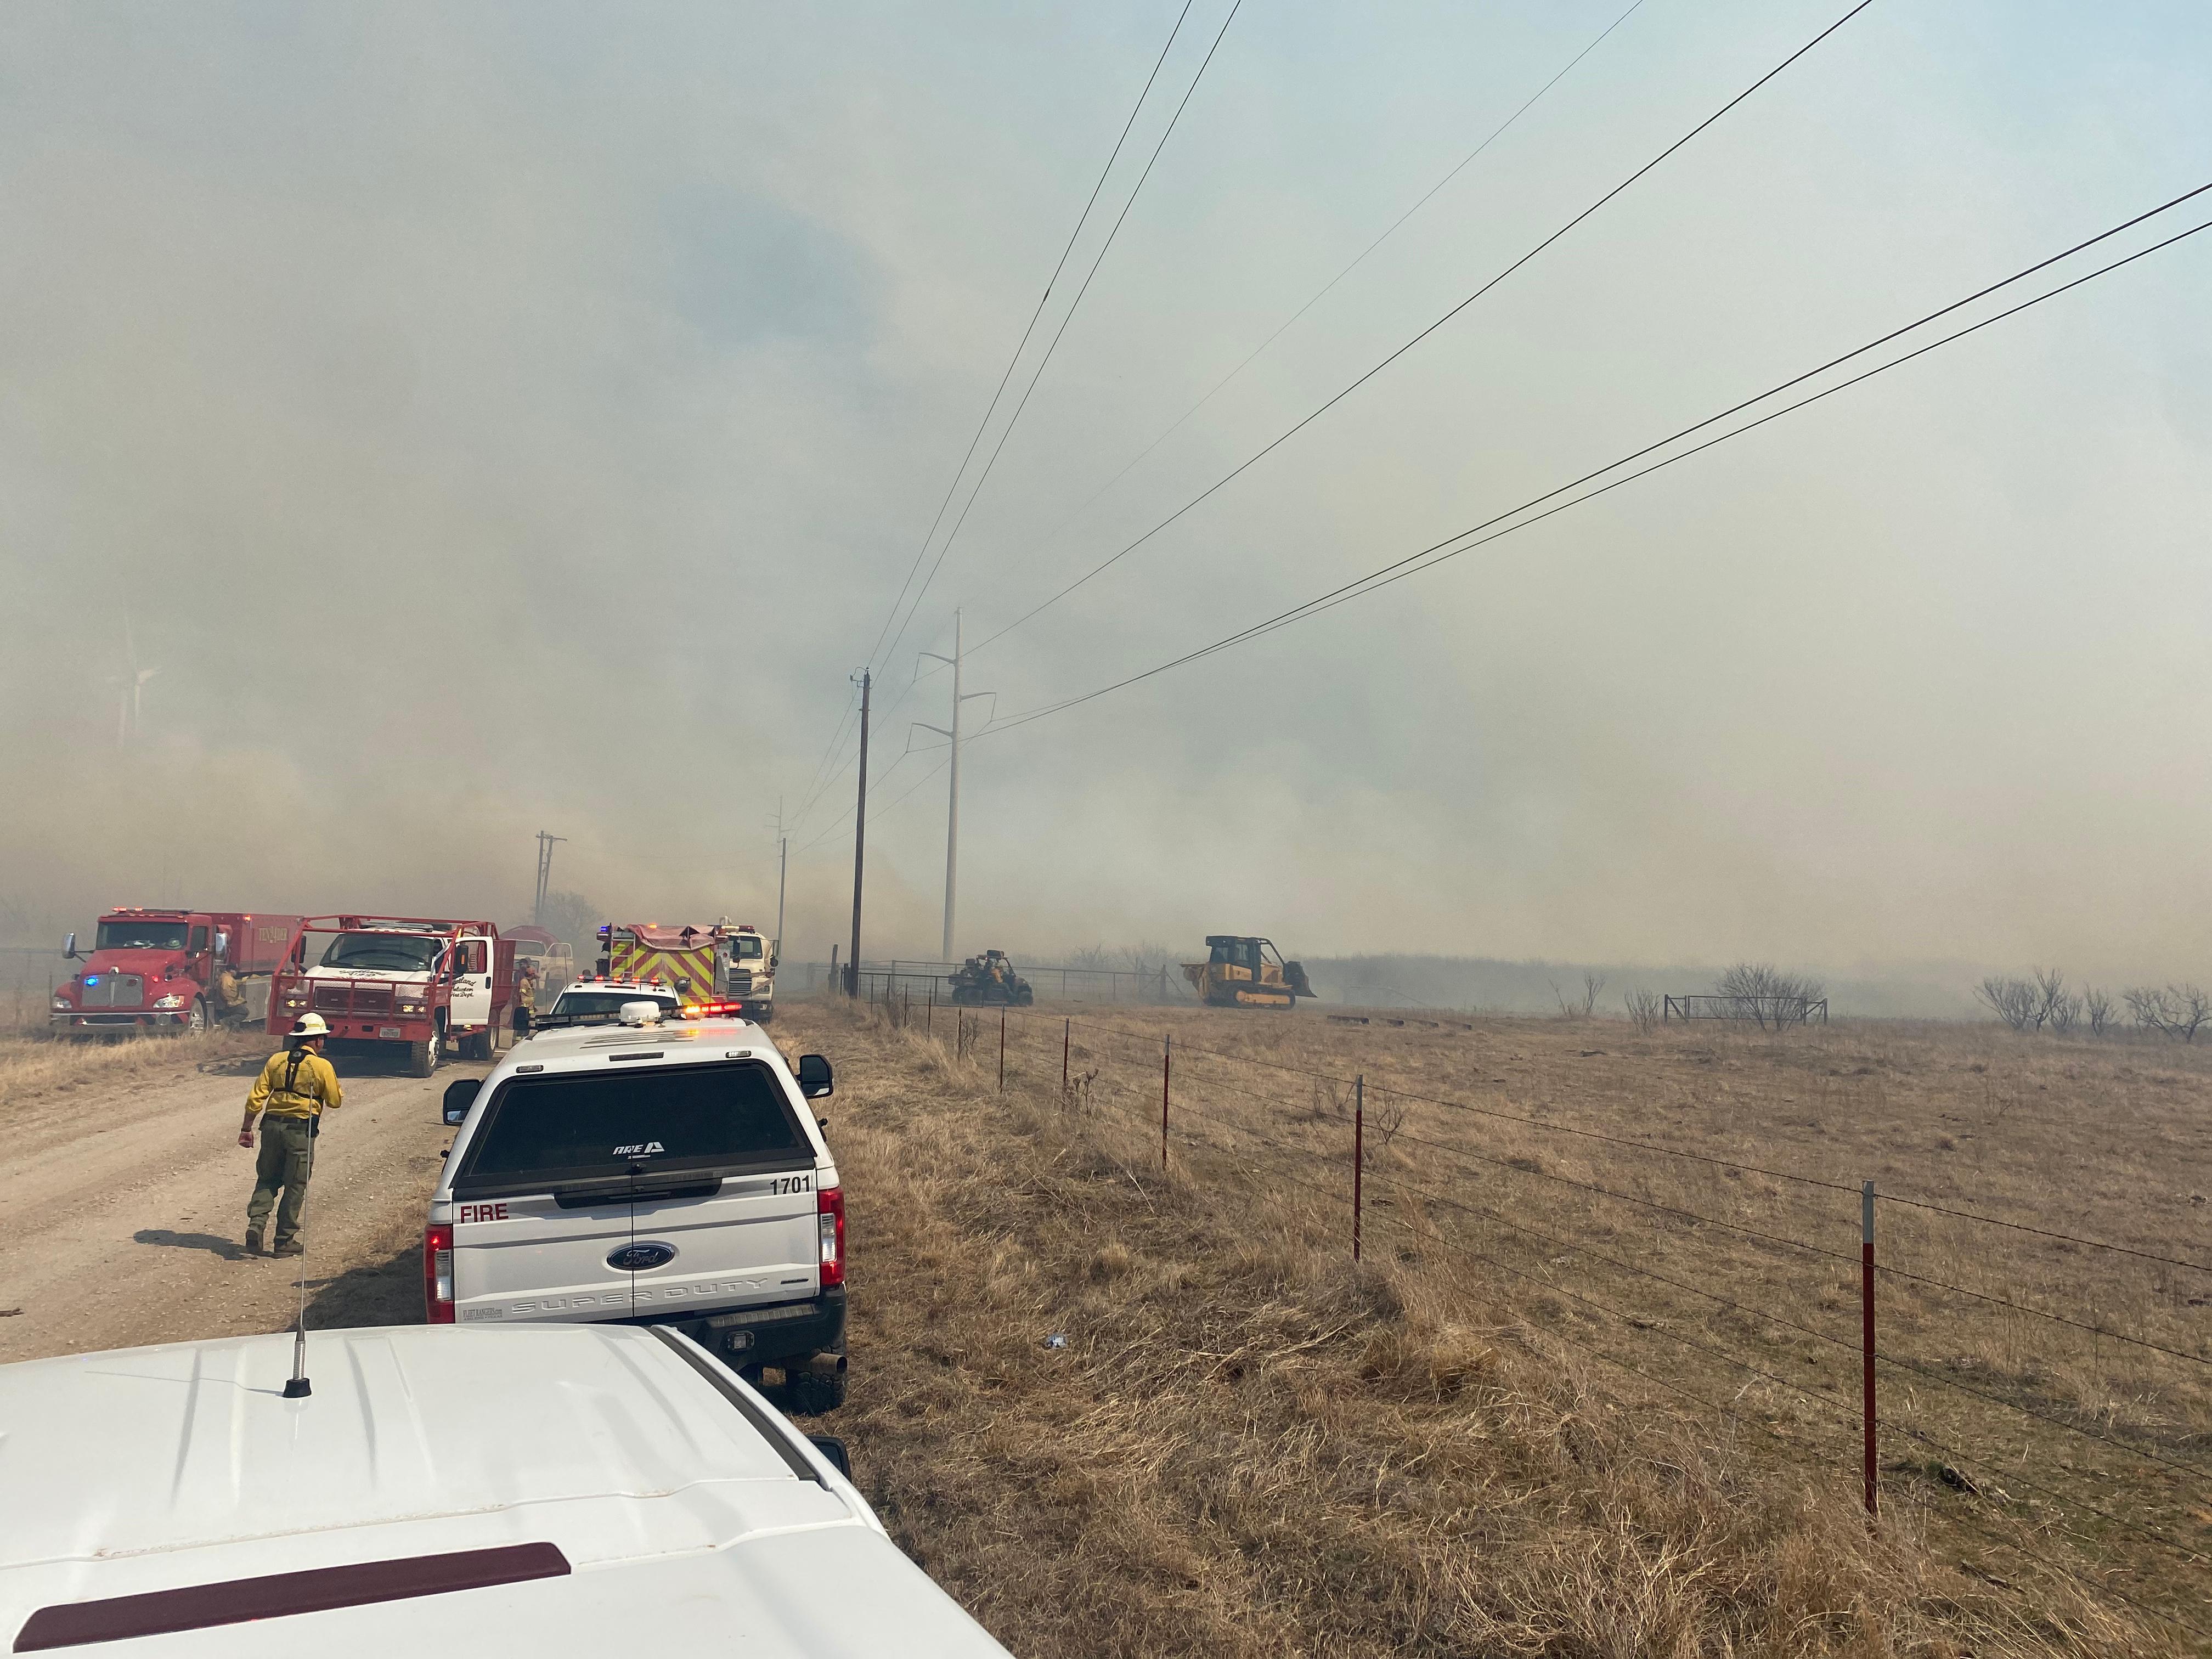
pixel 764 1014
pixel 423 1057
pixel 196 1021
pixel 813 1392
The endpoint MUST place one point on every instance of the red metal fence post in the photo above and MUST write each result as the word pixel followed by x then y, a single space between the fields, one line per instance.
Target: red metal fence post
pixel 1066 1032
pixel 1167 1060
pixel 1866 1337
pixel 1358 1152
pixel 1002 1050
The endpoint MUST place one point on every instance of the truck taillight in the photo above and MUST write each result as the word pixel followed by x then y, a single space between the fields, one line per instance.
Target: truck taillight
pixel 438 1274
pixel 829 1205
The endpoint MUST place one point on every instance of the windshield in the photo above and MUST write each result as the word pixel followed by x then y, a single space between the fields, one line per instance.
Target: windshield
pixel 597 1125
pixel 606 1002
pixel 141 936
pixel 528 947
pixel 393 953
pixel 745 945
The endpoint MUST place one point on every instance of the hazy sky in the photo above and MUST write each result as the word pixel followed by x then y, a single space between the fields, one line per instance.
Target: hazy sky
pixel 497 417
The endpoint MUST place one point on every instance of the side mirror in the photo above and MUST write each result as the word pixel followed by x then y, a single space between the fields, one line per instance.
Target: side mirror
pixel 460 1095
pixel 833 1453
pixel 69 947
pixel 222 945
pixel 814 1076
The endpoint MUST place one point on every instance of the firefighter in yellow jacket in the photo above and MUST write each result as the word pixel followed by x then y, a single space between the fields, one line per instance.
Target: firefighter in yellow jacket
pixel 289 1097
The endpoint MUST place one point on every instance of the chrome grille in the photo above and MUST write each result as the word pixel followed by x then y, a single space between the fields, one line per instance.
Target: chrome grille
pixel 114 991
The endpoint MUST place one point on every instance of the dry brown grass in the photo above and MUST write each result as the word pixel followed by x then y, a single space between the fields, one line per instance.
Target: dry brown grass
pixel 1248 1445
pixel 33 1066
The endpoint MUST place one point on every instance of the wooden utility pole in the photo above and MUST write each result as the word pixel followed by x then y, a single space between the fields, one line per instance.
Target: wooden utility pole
pixel 859 843
pixel 952 807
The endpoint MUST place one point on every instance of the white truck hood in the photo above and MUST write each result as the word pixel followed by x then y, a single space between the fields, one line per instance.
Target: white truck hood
pixel 683 1526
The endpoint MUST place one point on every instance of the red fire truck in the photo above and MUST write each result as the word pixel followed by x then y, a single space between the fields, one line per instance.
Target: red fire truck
pixel 158 970
pixel 431 986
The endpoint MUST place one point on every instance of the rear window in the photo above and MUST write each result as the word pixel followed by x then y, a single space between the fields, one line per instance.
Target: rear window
pixel 602 1126
pixel 606 1002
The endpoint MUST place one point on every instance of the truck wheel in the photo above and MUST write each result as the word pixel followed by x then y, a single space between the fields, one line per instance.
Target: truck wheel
pixel 813 1392
pixel 423 1057
pixel 764 1014
pixel 196 1022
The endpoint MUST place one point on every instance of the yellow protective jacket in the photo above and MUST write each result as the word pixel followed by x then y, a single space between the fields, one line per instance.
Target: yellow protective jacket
pixel 314 1086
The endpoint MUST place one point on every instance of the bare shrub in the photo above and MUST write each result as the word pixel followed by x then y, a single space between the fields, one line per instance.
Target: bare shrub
pixel 1386 1119
pixel 1644 1007
pixel 1582 1004
pixel 2176 1010
pixel 2099 1009
pixel 1762 992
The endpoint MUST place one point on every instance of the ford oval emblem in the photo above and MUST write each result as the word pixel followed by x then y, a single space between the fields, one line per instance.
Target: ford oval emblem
pixel 641 1258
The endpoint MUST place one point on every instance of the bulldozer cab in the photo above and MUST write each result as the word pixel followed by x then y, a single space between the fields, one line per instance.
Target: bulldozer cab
pixel 1243 971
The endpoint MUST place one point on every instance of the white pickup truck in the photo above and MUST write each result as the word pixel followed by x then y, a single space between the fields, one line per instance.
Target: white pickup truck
pixel 565 1492
pixel 655 1171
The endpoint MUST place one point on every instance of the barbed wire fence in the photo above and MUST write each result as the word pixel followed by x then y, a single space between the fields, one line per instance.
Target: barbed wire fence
pixel 1877 1336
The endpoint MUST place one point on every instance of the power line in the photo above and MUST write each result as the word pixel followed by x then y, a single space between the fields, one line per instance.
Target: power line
pixel 875 652
pixel 1462 305
pixel 1438 552
pixel 1104 248
pixel 1329 287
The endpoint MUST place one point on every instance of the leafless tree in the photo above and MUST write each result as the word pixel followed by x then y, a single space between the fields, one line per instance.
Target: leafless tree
pixel 2063 1014
pixel 2098 1008
pixel 1644 1007
pixel 2191 1008
pixel 2176 1010
pixel 2016 1001
pixel 2050 994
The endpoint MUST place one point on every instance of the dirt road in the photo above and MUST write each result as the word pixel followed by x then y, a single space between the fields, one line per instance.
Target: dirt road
pixel 123 1202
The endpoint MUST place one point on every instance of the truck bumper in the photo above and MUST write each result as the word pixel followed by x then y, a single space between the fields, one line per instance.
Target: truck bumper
pixel 116 1022
pixel 351 1031
pixel 769 1335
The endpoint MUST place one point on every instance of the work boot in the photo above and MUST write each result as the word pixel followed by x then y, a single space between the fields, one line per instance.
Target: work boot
pixel 253 1241
pixel 290 1247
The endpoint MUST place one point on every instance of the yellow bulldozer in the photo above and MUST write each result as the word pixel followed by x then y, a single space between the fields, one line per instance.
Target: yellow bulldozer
pixel 1246 973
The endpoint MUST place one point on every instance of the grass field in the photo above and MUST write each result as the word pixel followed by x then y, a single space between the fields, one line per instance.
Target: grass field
pixel 1593 1389
pixel 1538 1418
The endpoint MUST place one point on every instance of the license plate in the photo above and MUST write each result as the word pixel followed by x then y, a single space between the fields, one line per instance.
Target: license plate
pixel 387 1031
